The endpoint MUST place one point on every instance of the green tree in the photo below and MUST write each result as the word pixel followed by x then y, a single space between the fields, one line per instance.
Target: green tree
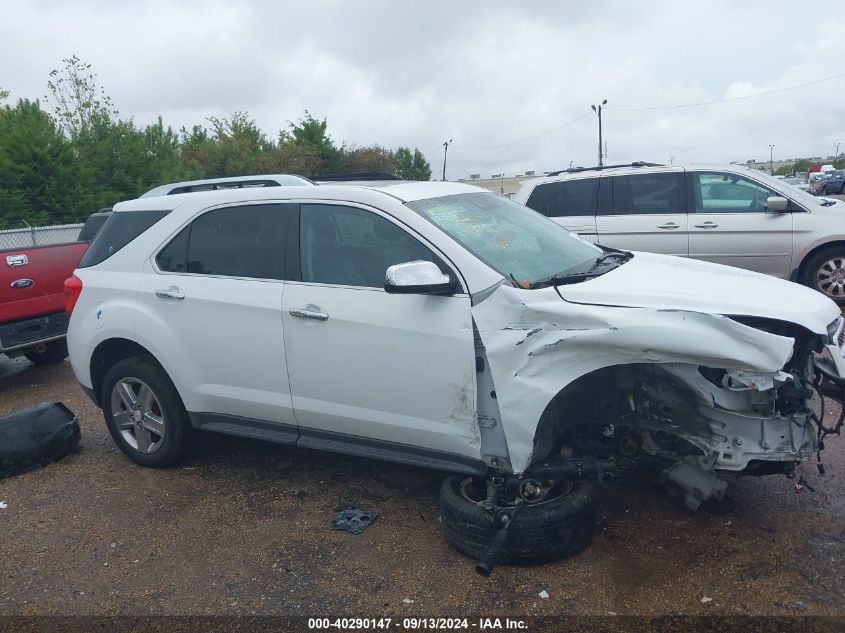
pixel 40 180
pixel 311 133
pixel 77 98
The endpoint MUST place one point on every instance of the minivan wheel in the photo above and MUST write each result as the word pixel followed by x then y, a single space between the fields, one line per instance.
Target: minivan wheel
pixel 144 413
pixel 825 272
pixel 560 526
pixel 47 353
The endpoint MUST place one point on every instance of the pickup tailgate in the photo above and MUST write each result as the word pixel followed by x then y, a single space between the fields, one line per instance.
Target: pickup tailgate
pixel 32 279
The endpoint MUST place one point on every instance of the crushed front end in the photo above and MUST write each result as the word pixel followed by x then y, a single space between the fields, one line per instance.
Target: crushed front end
pixel 696 425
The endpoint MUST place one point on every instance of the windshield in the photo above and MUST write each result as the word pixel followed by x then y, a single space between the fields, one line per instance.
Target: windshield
pixel 512 239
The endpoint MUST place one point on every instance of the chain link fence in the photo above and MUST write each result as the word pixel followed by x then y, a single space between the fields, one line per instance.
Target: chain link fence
pixel 39 236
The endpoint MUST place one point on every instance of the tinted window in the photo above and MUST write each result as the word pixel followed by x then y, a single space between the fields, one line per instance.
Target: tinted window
pixel 120 229
pixel 567 198
pixel 513 240
pixel 648 193
pixel 244 241
pixel 352 247
pixel 92 226
pixel 173 258
pixel 729 193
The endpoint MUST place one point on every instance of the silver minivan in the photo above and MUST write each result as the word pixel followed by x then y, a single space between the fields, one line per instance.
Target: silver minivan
pixel 727 214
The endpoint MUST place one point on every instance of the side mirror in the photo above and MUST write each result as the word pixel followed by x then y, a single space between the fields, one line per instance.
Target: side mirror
pixel 778 204
pixel 417 278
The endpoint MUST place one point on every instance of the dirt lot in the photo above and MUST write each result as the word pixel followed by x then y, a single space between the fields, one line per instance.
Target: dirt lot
pixel 243 528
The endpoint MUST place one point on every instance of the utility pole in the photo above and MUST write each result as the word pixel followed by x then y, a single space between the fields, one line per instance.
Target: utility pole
pixel 771 160
pixel 445 149
pixel 672 160
pixel 597 110
pixel 836 155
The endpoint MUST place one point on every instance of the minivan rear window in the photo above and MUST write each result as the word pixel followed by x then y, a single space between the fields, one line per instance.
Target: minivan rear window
pixel 120 229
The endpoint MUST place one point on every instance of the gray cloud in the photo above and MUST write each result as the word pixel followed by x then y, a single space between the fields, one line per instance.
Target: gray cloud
pixel 483 74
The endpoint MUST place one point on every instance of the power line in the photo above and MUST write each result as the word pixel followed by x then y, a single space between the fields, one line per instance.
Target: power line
pixel 523 140
pixel 756 94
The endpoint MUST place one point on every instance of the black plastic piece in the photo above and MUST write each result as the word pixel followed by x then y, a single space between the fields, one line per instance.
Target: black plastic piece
pixel 350 518
pixel 35 437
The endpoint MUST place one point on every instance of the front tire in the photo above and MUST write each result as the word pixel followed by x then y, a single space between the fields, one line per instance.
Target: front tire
pixel 144 413
pixel 825 272
pixel 541 532
pixel 48 353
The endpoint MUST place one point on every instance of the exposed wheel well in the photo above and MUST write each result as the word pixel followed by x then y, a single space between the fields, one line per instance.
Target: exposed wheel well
pixel 107 354
pixel 802 268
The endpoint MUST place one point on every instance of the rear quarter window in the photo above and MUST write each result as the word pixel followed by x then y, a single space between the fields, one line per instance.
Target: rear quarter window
pixel 120 229
pixel 566 198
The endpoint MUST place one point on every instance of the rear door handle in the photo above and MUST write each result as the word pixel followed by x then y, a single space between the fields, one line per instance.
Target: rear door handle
pixel 170 293
pixel 310 312
pixel 707 225
pixel 669 226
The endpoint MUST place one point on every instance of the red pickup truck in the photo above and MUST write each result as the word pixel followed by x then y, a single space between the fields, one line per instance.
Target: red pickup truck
pixel 33 322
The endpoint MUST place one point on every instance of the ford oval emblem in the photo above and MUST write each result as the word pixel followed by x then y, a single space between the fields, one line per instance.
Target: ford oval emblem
pixel 22 283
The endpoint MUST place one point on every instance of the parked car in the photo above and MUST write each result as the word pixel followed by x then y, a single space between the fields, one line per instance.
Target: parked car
pixel 441 325
pixel 33 322
pixel 725 214
pixel 834 183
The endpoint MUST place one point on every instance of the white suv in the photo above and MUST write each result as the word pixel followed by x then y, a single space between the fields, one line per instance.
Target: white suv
pixel 441 325
pixel 725 214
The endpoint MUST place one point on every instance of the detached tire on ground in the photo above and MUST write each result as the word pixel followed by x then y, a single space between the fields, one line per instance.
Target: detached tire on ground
pixel 538 533
pixel 144 413
pixel 49 354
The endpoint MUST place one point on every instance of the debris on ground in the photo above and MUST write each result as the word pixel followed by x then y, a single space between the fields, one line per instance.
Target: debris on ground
pixel 706 600
pixel 350 518
pixel 34 437
pixel 3 505
pixel 543 594
pixel 407 601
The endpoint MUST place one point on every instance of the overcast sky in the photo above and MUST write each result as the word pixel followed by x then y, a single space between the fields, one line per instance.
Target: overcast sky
pixel 485 74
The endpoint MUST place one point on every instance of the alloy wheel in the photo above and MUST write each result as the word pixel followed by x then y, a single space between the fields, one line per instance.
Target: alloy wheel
pixel 138 415
pixel 830 277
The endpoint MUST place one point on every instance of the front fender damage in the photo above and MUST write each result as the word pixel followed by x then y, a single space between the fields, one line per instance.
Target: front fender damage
pixel 537 344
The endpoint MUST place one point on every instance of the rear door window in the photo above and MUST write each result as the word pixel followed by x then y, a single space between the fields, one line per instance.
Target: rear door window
pixel 120 229
pixel 566 198
pixel 645 194
pixel 244 241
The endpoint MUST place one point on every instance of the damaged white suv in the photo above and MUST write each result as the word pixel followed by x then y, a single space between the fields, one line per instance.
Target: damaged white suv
pixel 440 325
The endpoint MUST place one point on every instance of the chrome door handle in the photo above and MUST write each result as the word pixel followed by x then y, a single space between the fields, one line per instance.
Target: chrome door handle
pixel 170 293
pixel 669 225
pixel 309 312
pixel 707 225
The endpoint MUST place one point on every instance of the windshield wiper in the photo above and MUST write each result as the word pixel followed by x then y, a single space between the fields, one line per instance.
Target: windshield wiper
pixel 559 279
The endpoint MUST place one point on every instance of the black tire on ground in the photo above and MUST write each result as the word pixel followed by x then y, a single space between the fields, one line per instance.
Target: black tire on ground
pixel 538 533
pixel 53 352
pixel 814 263
pixel 179 436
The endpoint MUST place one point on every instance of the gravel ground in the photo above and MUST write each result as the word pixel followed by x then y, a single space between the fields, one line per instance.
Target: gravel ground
pixel 243 528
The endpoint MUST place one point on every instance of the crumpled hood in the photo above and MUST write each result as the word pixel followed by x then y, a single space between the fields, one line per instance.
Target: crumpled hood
pixel 663 282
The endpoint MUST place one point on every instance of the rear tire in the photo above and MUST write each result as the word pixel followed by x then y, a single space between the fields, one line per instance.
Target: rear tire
pixel 53 352
pixel 538 533
pixel 144 413
pixel 825 272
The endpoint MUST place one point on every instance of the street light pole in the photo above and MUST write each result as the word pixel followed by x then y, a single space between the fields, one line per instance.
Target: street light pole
pixel 836 155
pixel 597 110
pixel 771 160
pixel 445 149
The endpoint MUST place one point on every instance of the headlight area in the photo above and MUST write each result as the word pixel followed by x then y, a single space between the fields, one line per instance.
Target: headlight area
pixel 695 426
